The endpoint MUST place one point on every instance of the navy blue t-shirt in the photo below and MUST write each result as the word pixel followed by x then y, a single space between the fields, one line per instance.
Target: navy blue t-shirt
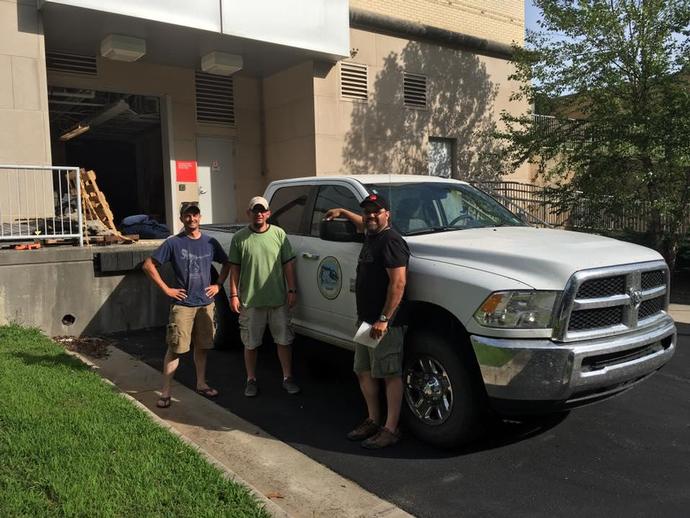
pixel 191 261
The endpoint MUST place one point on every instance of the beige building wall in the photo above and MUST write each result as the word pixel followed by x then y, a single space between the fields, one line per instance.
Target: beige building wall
pixel 289 123
pixel 24 130
pixel 499 20
pixel 177 85
pixel 466 94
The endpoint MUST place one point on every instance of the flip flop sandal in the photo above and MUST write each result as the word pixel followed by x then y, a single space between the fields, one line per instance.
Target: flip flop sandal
pixel 163 402
pixel 208 392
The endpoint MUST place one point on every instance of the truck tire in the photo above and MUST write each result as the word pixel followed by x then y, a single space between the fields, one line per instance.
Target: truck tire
pixel 227 335
pixel 227 330
pixel 442 394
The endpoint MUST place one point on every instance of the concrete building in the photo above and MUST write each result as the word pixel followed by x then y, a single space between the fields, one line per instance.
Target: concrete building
pixel 317 87
pixel 171 101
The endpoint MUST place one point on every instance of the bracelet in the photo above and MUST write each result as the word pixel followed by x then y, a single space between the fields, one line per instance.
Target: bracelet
pixel 233 296
pixel 292 291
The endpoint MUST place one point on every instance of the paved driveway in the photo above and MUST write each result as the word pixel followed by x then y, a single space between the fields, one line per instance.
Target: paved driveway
pixel 629 456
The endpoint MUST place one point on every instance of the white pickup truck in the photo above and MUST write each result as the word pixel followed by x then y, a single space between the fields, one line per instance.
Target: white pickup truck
pixel 503 317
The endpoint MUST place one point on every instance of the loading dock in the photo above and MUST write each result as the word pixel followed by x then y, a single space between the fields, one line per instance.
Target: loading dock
pixel 118 135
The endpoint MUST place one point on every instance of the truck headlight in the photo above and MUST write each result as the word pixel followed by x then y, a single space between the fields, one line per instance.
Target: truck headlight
pixel 517 309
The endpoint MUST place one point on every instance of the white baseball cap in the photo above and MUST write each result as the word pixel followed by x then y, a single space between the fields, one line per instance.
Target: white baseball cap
pixel 258 200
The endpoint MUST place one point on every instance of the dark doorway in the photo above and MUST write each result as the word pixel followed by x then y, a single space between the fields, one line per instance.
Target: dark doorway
pixel 119 137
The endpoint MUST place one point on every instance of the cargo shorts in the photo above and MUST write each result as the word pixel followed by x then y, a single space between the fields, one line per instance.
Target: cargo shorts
pixel 189 326
pixel 386 359
pixel 253 322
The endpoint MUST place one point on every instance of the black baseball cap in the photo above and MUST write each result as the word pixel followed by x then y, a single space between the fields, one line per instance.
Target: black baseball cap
pixel 188 206
pixel 376 200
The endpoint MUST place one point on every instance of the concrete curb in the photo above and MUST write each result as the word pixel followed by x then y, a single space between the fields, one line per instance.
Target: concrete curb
pixel 269 468
pixel 269 505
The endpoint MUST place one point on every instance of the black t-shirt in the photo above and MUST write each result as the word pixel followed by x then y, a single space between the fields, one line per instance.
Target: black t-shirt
pixel 385 249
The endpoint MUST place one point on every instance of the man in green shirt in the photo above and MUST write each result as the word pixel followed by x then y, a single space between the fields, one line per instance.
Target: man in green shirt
pixel 261 264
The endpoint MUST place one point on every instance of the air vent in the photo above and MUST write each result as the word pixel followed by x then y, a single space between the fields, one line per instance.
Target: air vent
pixel 215 99
pixel 414 90
pixel 354 81
pixel 71 63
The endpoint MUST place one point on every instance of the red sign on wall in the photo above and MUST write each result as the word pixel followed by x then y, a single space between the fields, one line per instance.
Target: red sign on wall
pixel 185 170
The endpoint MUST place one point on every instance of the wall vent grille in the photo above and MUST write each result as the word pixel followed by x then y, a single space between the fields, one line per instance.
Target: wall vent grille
pixel 414 90
pixel 215 99
pixel 354 81
pixel 71 63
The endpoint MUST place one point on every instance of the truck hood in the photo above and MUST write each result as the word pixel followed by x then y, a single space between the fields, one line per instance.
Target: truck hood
pixel 542 258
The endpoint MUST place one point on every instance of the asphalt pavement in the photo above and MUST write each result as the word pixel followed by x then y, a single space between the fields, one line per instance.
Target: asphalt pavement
pixel 627 456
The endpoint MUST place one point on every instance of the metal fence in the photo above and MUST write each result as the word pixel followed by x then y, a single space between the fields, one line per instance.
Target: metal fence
pixel 40 202
pixel 527 201
pixel 533 204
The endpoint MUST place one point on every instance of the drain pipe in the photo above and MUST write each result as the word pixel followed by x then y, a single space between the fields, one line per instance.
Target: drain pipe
pixel 361 19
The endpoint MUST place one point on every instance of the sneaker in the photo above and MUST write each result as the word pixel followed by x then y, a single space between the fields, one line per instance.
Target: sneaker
pixel 290 386
pixel 383 439
pixel 365 430
pixel 252 388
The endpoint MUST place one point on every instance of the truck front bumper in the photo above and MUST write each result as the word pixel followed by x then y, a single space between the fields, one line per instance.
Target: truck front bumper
pixel 524 376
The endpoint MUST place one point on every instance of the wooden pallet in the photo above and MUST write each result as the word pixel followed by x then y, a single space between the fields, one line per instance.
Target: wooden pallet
pixel 95 207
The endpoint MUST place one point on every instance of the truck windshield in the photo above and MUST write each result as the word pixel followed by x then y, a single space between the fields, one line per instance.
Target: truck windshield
pixel 421 208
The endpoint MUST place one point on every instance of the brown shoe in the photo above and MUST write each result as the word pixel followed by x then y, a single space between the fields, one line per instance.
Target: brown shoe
pixel 383 439
pixel 366 429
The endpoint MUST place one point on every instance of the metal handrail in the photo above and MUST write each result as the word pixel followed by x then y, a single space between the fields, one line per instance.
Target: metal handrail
pixel 39 206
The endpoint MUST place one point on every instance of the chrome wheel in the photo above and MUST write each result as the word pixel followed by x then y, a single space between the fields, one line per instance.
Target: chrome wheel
pixel 428 390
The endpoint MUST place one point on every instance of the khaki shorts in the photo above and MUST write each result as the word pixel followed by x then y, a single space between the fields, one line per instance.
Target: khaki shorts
pixel 253 323
pixel 386 359
pixel 189 326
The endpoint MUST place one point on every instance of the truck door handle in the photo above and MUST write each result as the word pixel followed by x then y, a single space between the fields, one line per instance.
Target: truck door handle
pixel 311 256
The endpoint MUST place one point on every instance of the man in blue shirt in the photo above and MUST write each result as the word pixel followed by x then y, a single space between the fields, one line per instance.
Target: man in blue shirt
pixel 191 254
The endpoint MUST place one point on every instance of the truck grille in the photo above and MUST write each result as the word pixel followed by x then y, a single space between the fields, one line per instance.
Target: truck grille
pixel 607 301
pixel 602 287
pixel 596 318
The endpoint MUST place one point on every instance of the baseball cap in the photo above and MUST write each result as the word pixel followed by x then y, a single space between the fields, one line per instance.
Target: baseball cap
pixel 376 200
pixel 189 206
pixel 258 200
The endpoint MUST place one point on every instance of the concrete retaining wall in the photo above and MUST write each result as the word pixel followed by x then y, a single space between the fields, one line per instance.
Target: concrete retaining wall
pixel 44 287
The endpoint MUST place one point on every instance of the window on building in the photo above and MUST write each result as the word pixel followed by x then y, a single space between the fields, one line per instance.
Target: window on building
pixel 414 90
pixel 354 81
pixel 441 157
pixel 330 197
pixel 287 207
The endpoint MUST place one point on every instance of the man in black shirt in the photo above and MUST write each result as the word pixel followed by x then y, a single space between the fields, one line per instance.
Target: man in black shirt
pixel 381 278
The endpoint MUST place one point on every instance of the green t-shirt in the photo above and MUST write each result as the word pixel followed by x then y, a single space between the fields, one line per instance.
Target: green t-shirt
pixel 261 256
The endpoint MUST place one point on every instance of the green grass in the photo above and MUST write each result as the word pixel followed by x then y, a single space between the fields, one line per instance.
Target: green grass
pixel 70 445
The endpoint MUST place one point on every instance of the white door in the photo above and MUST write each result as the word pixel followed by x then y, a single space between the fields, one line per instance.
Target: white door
pixel 215 179
pixel 328 297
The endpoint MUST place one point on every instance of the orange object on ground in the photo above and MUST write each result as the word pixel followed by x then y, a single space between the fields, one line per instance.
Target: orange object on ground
pixel 28 246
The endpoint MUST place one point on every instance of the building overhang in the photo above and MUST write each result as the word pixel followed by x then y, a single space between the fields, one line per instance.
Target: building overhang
pixel 270 35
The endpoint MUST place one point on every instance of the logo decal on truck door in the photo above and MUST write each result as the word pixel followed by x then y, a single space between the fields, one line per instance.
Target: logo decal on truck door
pixel 329 277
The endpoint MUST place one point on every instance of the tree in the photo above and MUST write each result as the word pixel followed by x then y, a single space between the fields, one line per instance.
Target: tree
pixel 615 75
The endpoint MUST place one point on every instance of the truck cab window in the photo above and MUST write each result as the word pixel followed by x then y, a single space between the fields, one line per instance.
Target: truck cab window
pixel 287 207
pixel 330 197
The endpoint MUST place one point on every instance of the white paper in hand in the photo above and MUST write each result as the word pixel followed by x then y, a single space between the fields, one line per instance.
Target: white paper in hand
pixel 363 337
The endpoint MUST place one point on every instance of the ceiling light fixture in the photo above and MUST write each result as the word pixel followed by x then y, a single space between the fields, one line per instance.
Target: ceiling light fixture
pixel 109 112
pixel 122 48
pixel 221 63
pixel 74 132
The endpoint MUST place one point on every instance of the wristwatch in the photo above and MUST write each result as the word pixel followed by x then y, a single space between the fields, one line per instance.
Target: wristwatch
pixel 383 318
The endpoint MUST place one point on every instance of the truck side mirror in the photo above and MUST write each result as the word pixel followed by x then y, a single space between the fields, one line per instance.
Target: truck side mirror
pixel 340 230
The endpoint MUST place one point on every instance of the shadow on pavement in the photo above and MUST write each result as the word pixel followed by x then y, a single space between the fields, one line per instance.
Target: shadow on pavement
pixel 328 407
